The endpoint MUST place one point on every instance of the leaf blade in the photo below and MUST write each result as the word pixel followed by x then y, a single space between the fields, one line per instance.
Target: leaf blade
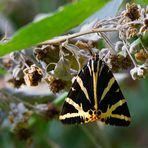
pixel 62 20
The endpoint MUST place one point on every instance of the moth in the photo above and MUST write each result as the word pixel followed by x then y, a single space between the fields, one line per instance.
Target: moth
pixel 95 96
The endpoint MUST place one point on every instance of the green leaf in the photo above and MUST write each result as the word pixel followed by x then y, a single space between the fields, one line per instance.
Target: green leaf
pixel 2 71
pixel 60 100
pixel 144 39
pixel 61 21
pixel 141 2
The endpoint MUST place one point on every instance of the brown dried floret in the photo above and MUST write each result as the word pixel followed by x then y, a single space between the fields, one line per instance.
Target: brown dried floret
pixel 16 83
pixel 132 12
pixel 114 63
pixel 118 62
pixel 55 84
pixel 40 54
pixel 131 32
pixel 47 53
pixel 144 28
pixel 51 112
pixel 28 62
pixel 84 45
pixel 126 63
pixel 141 56
pixel 146 22
pixel 32 75
pixel 23 134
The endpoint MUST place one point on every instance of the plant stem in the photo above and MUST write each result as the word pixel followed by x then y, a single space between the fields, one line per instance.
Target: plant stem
pixel 108 42
pixel 60 39
pixel 130 54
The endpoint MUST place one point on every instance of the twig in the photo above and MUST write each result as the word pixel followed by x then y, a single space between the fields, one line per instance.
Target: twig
pixel 102 22
pixel 108 43
pixel 130 23
pixel 57 41
pixel 129 54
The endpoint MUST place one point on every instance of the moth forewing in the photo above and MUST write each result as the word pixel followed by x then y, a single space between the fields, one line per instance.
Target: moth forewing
pixel 95 95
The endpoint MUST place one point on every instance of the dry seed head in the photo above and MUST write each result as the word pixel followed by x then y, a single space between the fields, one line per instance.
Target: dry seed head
pixel 51 112
pixel 113 63
pixel 23 134
pixel 141 56
pixel 117 62
pixel 39 54
pixel 131 32
pixel 84 45
pixel 132 12
pixel 47 53
pixel 42 53
pixel 126 63
pixel 32 75
pixel 16 83
pixel 22 131
pixel 81 45
pixel 144 28
pixel 49 79
pixel 55 85
pixel 146 22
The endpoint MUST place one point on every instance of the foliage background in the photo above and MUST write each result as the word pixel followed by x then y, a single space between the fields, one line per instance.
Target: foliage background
pixel 52 133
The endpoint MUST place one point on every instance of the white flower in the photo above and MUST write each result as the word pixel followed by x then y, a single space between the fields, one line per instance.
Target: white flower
pixel 139 71
pixel 118 46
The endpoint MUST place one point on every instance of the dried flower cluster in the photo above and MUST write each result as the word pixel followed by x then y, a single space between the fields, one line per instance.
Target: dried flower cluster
pixel 18 117
pixel 32 75
pixel 58 60
pixel 55 85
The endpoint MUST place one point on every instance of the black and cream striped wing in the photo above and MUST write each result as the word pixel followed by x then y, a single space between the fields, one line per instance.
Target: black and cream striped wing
pixel 95 95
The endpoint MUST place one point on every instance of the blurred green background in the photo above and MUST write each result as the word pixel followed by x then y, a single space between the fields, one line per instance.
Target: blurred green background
pixel 18 13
